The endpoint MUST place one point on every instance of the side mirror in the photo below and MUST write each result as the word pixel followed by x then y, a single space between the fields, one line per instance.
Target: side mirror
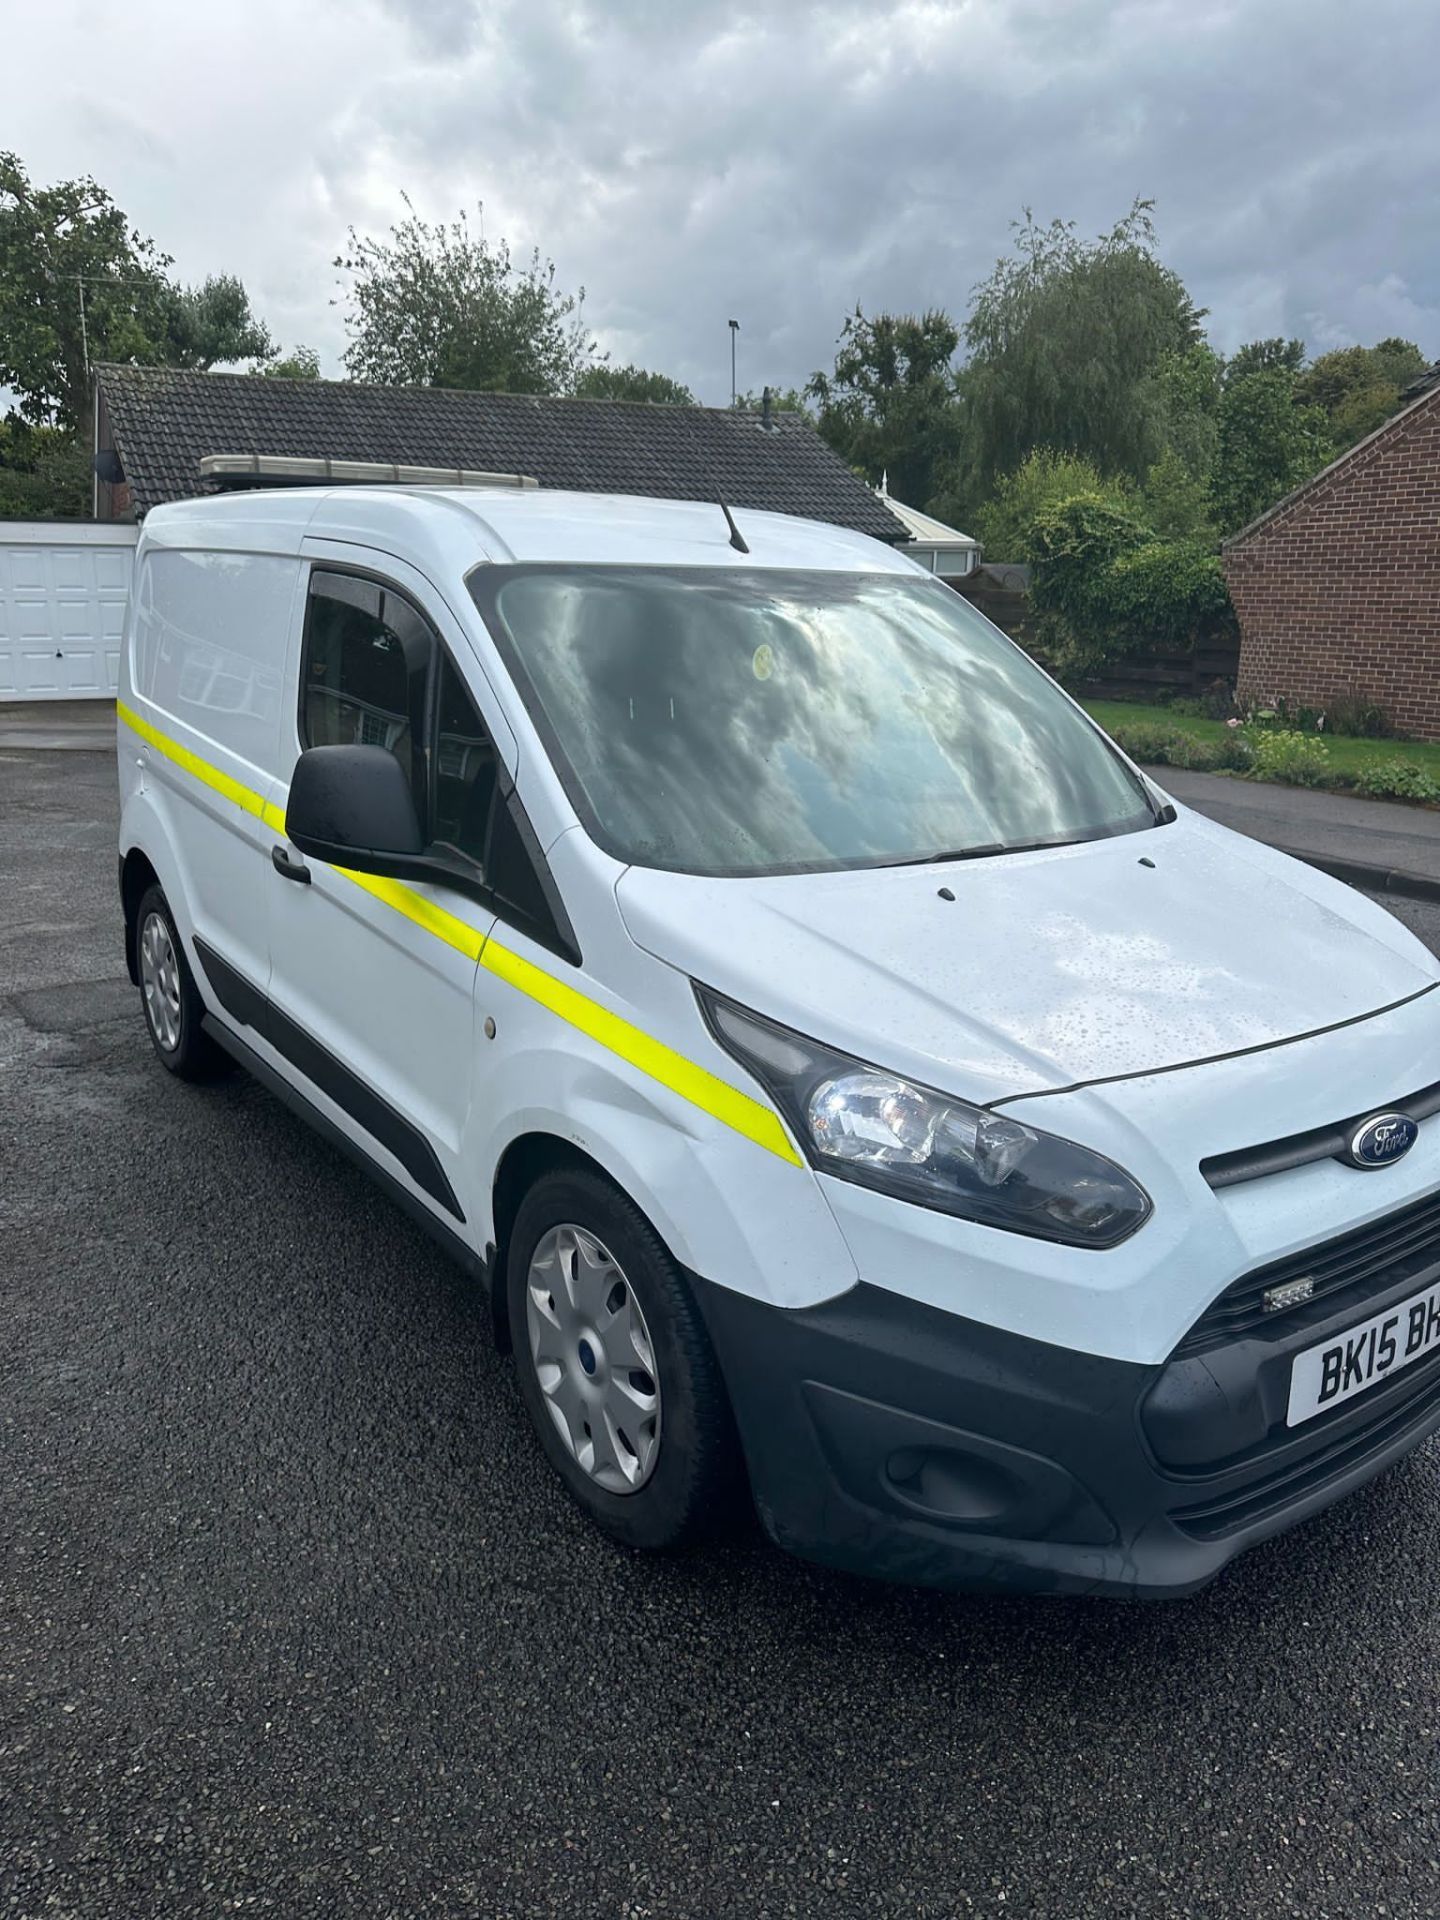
pixel 352 807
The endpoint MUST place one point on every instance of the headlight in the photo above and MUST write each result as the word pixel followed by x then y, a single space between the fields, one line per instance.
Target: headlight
pixel 879 1130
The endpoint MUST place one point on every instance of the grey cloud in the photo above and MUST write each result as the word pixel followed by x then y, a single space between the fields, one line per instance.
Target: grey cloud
pixel 687 162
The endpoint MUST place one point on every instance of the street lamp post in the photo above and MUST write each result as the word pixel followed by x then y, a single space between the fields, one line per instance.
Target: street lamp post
pixel 734 329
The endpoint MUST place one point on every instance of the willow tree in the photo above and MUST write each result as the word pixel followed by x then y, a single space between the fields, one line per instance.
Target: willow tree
pixel 1065 338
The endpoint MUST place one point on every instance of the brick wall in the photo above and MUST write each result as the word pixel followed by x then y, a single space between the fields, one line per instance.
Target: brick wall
pixel 1339 590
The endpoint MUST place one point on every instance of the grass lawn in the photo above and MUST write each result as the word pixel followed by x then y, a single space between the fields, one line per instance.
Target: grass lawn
pixel 1347 756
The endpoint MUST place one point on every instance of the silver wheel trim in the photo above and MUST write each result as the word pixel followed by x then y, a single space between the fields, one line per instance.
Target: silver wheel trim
pixel 594 1359
pixel 160 981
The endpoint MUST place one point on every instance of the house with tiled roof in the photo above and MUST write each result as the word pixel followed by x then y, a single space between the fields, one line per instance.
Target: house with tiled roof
pixel 1337 586
pixel 162 434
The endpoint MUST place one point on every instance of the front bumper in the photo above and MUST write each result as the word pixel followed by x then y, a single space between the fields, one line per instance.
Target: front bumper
pixel 889 1438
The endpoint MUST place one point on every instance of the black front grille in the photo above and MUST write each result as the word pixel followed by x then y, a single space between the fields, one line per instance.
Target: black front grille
pixel 1368 1261
pixel 1300 1149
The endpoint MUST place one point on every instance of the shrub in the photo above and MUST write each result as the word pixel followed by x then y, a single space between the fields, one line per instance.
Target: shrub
pixel 1169 593
pixel 1397 780
pixel 1151 744
pixel 1362 718
pixel 1196 755
pixel 1100 573
pixel 1156 745
pixel 1296 759
pixel 1177 501
pixel 44 473
pixel 1043 479
pixel 1283 715
pixel 1072 546
pixel 1235 751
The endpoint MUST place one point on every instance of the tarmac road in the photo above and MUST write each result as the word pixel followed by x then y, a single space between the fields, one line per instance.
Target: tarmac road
pixel 294 1619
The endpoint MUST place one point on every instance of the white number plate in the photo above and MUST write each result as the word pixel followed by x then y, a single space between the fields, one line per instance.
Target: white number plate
pixel 1326 1376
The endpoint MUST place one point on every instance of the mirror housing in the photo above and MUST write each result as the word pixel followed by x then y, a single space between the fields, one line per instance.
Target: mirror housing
pixel 352 806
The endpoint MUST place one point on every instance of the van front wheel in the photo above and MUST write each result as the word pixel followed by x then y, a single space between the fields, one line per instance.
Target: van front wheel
pixel 616 1369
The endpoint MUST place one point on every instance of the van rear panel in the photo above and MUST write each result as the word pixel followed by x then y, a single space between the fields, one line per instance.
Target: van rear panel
pixel 202 711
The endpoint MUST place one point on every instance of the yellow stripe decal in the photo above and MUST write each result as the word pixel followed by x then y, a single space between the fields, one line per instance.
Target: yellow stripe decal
pixel 702 1089
pixel 716 1097
pixel 201 770
pixel 445 926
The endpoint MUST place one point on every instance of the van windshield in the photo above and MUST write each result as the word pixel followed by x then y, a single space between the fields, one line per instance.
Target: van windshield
pixel 723 721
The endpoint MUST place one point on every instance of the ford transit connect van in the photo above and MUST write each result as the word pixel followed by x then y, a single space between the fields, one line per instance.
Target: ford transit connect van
pixel 845 1071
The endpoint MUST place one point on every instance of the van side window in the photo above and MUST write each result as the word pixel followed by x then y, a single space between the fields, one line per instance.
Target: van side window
pixel 365 665
pixel 465 769
pixel 374 673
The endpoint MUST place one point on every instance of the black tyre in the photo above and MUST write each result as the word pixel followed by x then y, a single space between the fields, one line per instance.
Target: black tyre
pixel 615 1367
pixel 173 1007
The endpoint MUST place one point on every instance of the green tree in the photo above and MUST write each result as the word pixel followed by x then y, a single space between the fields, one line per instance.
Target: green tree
pixel 210 325
pixel 1268 444
pixel 1183 396
pixel 44 472
pixel 1265 356
pixel 301 363
pixel 78 284
pixel 1065 337
pixel 439 306
pixel 1041 481
pixel 1168 593
pixel 71 270
pixel 1176 501
pixel 1104 586
pixel 1400 361
pixel 889 405
pixel 604 382
pixel 1071 547
pixel 782 400
pixel 1358 388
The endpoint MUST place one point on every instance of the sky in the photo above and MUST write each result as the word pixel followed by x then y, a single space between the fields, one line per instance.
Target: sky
pixel 700 160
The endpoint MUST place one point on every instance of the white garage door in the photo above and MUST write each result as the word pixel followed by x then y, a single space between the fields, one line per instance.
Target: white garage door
pixel 63 588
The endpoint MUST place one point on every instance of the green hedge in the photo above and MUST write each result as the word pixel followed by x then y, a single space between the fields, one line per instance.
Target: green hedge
pixel 1105 586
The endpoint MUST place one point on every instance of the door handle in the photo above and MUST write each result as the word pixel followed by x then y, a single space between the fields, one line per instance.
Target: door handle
pixel 287 868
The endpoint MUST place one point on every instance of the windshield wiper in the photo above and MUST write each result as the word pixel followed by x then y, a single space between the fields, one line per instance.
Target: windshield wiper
pixel 987 852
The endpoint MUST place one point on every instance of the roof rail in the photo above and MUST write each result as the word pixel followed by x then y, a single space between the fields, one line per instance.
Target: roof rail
pixel 284 469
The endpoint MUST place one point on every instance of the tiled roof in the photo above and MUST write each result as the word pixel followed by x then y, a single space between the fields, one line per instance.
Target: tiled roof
pixel 164 422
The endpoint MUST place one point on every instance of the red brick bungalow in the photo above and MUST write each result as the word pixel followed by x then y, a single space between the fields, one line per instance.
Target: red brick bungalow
pixel 1337 586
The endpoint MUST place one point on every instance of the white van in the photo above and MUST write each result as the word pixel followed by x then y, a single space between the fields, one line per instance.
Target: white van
pixel 843 1068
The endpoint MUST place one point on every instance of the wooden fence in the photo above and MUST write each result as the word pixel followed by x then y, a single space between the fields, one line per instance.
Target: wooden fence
pixel 1146 676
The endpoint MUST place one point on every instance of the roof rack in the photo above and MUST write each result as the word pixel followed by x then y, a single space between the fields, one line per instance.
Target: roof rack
pixel 284 469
